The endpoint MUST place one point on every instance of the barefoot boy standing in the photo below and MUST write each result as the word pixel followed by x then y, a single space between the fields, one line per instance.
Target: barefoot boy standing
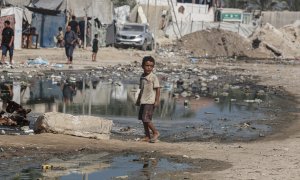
pixel 148 98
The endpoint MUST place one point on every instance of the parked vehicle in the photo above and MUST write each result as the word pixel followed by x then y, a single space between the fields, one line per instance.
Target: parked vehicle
pixel 135 35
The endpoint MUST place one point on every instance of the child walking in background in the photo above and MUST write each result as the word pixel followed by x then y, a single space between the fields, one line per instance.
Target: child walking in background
pixel 95 47
pixel 148 98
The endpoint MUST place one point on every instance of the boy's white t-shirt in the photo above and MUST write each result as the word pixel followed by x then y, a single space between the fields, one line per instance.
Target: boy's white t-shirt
pixel 147 86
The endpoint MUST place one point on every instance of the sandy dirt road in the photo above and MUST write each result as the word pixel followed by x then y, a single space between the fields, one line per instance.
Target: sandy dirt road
pixel 273 157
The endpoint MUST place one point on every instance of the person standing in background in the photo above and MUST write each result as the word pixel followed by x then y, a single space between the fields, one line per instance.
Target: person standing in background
pixel 70 41
pixel 95 47
pixel 76 29
pixel 7 43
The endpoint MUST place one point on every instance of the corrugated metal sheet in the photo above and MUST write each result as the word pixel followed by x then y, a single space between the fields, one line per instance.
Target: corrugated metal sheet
pixel 47 27
pixel 101 9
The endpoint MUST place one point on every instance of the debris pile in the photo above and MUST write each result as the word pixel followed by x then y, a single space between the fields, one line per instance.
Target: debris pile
pixel 266 42
pixel 218 42
pixel 283 42
pixel 16 115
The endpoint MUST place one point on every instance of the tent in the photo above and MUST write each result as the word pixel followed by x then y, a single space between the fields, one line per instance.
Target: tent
pixel 47 27
pixel 18 16
pixel 49 15
pixel 16 3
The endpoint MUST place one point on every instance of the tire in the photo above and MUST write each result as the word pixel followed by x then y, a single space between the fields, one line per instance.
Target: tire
pixel 144 46
pixel 116 46
pixel 151 46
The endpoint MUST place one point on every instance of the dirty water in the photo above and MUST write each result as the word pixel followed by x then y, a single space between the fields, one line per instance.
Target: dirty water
pixel 180 117
pixel 210 104
pixel 108 166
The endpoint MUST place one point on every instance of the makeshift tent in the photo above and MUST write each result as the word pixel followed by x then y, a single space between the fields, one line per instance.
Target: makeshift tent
pixel 49 15
pixel 110 34
pixel 16 3
pixel 18 15
pixel 52 7
pixel 47 27
pixel 101 9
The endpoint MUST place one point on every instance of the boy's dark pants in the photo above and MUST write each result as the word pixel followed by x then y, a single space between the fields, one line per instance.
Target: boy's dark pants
pixel 145 114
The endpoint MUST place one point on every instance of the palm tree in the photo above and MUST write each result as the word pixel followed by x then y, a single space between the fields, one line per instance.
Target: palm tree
pixel 263 4
pixel 268 4
pixel 294 5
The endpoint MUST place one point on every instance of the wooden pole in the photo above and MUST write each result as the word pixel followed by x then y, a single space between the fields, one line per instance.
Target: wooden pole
pixel 148 11
pixel 85 30
pixel 155 25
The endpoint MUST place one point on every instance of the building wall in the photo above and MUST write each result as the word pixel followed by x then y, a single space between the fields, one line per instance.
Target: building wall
pixel 101 9
pixel 193 12
pixel 280 18
pixel 158 2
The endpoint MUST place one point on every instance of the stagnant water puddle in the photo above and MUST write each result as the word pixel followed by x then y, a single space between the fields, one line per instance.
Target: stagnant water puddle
pixel 233 116
pixel 208 104
pixel 140 166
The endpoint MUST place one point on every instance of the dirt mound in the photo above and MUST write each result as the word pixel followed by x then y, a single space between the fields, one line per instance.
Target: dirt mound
pixel 283 42
pixel 218 42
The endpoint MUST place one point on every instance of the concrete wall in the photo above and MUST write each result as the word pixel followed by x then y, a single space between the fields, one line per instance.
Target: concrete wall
pixel 158 2
pixel 193 12
pixel 175 31
pixel 280 19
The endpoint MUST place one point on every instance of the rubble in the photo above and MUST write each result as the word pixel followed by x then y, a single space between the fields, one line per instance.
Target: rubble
pixel 82 126
pixel 283 42
pixel 5 121
pixel 266 42
pixel 15 115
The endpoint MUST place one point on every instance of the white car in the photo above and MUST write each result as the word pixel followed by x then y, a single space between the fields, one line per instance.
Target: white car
pixel 135 35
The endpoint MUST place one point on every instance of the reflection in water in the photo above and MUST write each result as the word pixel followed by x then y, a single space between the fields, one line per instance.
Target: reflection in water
pixel 6 93
pixel 150 164
pixel 100 166
pixel 68 90
pixel 115 99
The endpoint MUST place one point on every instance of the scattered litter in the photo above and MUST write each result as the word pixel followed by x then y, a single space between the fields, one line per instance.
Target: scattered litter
pixel 246 125
pixel 253 101
pixel 47 166
pixel 37 61
pixel 122 177
pixel 2 132
pixel 194 60
pixel 58 65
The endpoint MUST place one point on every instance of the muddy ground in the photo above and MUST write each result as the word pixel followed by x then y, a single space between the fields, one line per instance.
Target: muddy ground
pixel 272 157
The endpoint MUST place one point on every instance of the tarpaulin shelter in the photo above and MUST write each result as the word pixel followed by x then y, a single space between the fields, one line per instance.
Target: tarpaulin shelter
pixel 49 15
pixel 16 3
pixel 18 19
